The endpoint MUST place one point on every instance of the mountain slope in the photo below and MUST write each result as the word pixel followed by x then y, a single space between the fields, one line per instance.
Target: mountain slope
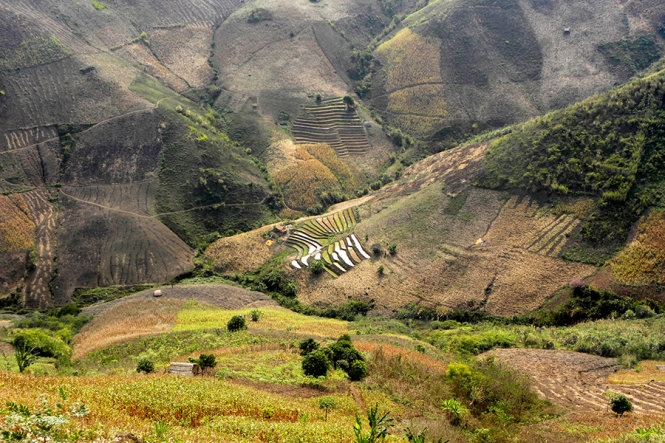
pixel 486 64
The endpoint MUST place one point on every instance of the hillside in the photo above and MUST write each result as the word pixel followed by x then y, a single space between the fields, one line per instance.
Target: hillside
pixel 257 390
pixel 460 67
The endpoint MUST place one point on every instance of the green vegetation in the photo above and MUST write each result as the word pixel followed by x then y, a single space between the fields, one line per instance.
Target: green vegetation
pixel 145 365
pixel 620 404
pixel 378 426
pixel 237 323
pixel 98 5
pixel 85 297
pixel 209 185
pixel 33 52
pixel 316 364
pixel 632 55
pixel 607 147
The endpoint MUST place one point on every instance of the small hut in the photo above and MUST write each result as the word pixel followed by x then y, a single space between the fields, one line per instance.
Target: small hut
pixel 182 368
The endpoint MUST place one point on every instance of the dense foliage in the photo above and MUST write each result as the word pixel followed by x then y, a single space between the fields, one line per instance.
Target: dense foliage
pixel 609 147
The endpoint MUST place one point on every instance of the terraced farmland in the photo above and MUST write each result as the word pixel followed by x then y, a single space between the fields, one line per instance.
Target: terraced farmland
pixel 333 124
pixel 319 239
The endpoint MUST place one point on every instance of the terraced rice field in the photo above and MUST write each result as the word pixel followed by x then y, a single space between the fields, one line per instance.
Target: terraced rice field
pixel 320 239
pixel 331 123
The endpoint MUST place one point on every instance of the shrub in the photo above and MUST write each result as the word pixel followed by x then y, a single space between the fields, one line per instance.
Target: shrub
pixel 357 370
pixel 255 315
pixel 42 344
pixel 316 267
pixel 308 346
pixel 392 249
pixel 376 249
pixel 316 364
pixel 145 365
pixel 237 323
pixel 455 411
pixel 206 361
pixel 620 404
pixel 98 5
pixel 380 270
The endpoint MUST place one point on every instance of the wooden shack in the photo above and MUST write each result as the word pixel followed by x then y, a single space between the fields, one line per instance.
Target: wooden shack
pixel 183 368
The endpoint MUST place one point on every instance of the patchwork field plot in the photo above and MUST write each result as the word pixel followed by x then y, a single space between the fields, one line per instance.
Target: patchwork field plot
pixel 320 239
pixel 579 381
pixel 333 124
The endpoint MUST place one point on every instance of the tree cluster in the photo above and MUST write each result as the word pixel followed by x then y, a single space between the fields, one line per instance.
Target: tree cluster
pixel 338 355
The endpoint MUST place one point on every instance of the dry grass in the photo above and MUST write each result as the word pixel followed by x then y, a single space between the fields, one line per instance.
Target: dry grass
pixel 643 260
pixel 131 319
pixel 200 316
pixel 647 371
pixel 302 184
pixel 412 59
pixel 16 228
pixel 240 253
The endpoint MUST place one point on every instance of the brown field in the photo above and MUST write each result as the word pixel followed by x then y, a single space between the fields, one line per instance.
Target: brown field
pixel 514 272
pixel 240 253
pixel 142 314
pixel 302 183
pixel 642 262
pixel 132 319
pixel 16 227
pixel 579 383
pixel 413 60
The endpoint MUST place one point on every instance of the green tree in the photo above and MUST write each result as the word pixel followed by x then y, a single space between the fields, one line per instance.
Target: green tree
pixel 316 364
pixel 326 403
pixel 620 404
pixel 145 365
pixel 236 323
pixel 349 102
pixel 308 346
pixel 316 267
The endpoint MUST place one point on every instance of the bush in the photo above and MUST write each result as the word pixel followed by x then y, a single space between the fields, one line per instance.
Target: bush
pixel 255 315
pixel 357 370
pixel 42 344
pixel 316 364
pixel 377 249
pixel 316 267
pixel 237 323
pixel 145 365
pixel 308 346
pixel 620 404
pixel 392 249
pixel 206 361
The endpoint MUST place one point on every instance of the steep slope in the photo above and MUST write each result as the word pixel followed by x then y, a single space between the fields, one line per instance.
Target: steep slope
pixel 463 66
pixel 86 142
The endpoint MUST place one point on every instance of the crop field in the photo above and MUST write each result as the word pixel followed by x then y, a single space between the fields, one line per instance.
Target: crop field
pixel 185 52
pixel 413 60
pixel 642 262
pixel 515 270
pixel 302 183
pixel 332 123
pixel 319 239
pixel 240 253
pixel 16 227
